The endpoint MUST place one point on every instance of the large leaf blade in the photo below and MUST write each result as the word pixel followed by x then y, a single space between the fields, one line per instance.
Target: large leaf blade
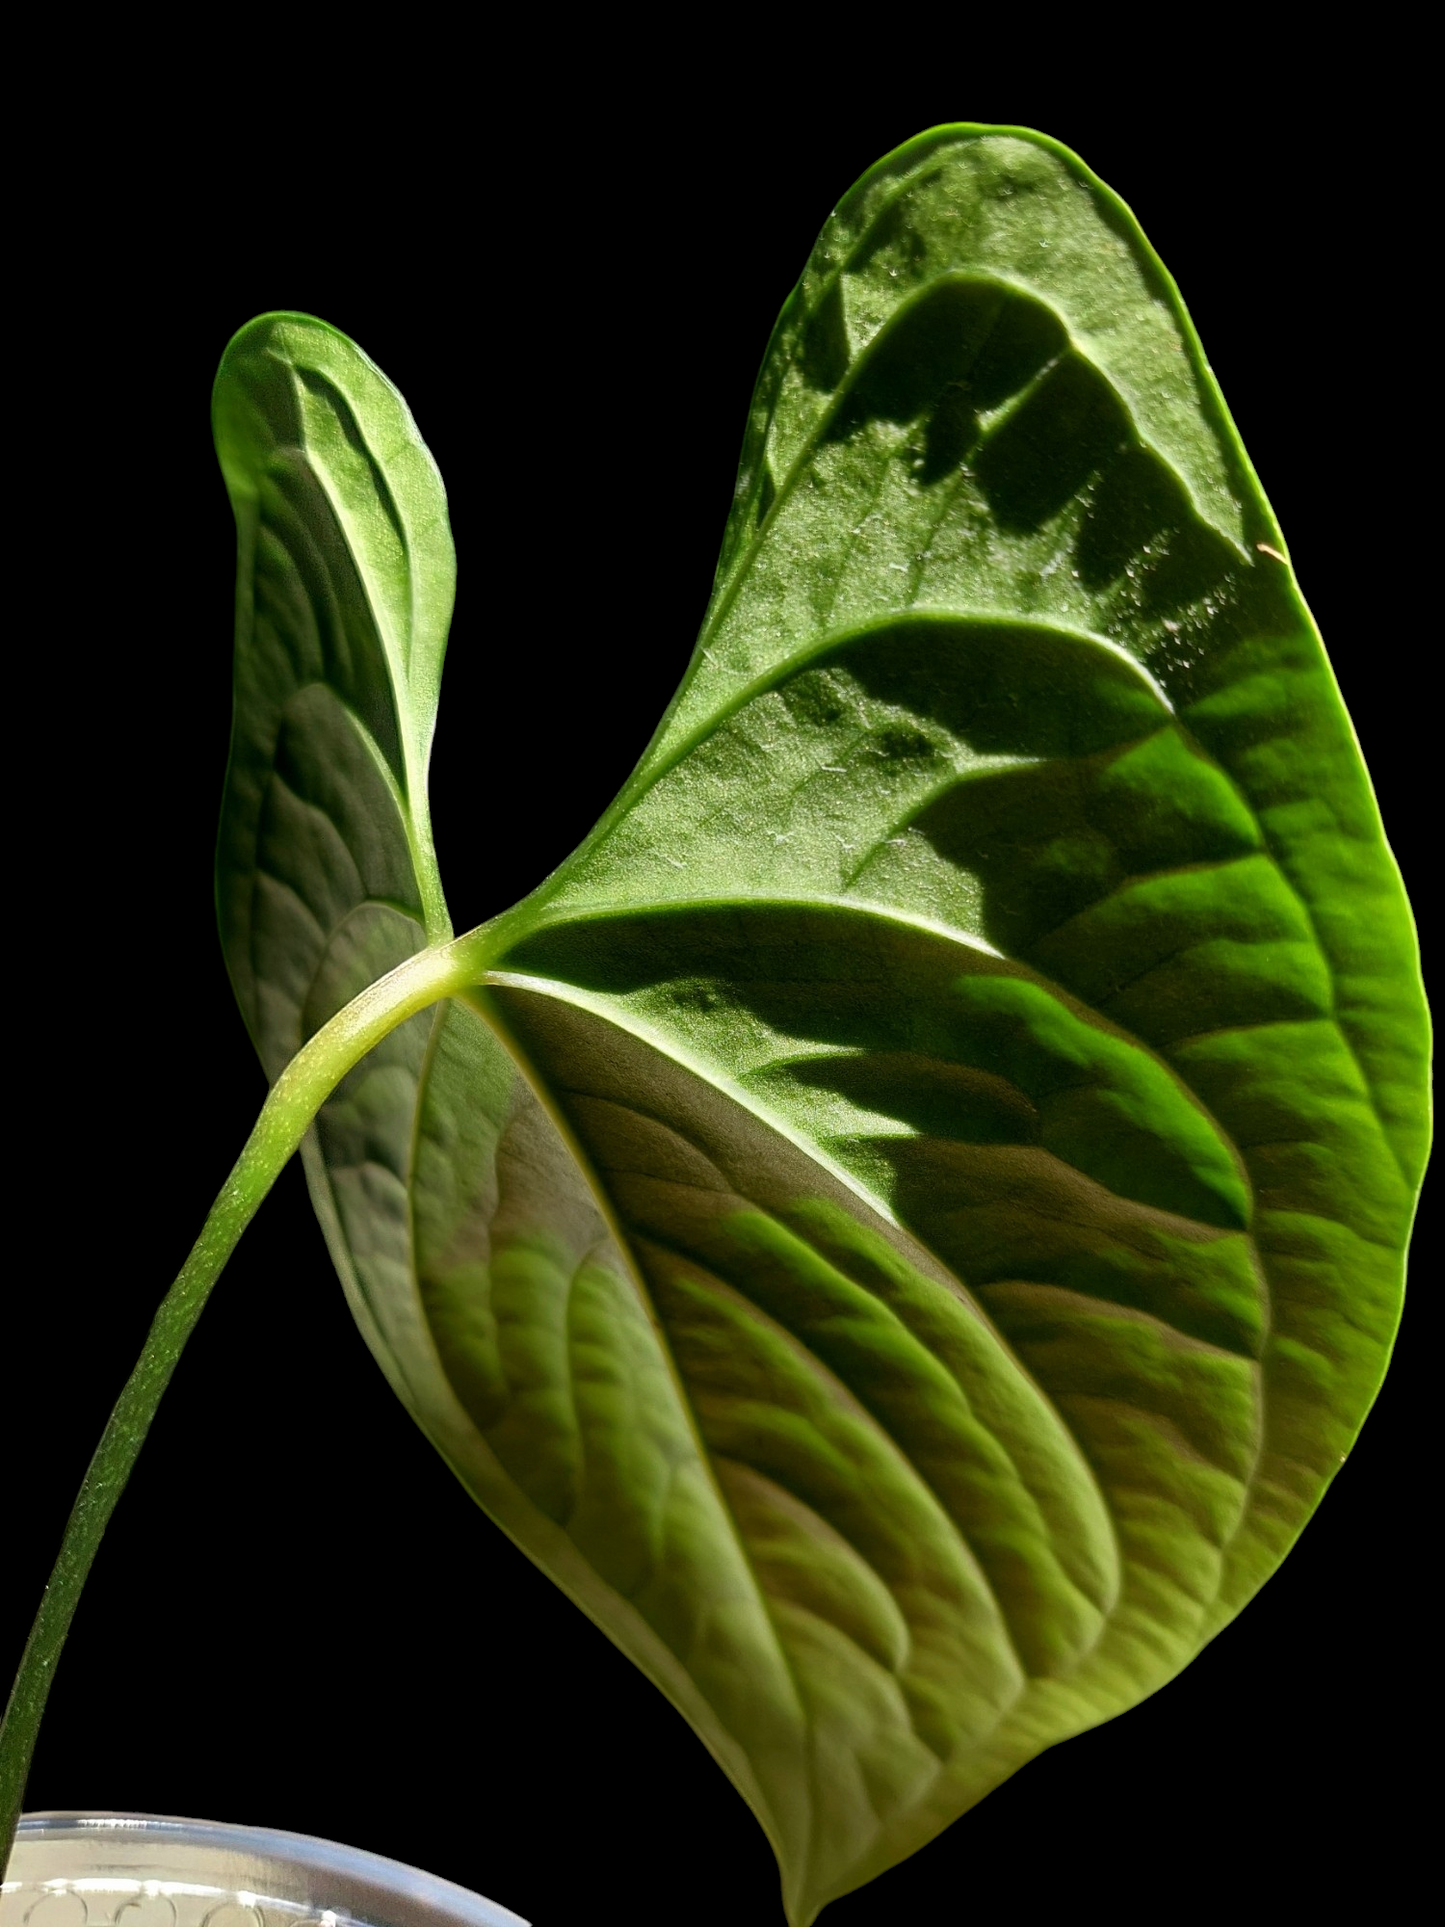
pixel 1003 645
pixel 913 1215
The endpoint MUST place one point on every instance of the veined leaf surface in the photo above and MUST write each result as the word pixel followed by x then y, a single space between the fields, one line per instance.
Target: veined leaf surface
pixel 325 873
pixel 912 1214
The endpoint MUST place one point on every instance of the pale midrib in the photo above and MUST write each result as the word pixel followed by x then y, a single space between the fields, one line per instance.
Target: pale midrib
pixel 541 1091
pixel 815 1154
pixel 813 1150
pixel 1257 1258
pixel 603 1004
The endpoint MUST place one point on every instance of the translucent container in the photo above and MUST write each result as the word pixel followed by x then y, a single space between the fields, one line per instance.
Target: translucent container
pixel 139 1870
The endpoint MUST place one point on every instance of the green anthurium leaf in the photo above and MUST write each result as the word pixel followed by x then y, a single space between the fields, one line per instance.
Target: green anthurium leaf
pixel 911 1215
pixel 326 876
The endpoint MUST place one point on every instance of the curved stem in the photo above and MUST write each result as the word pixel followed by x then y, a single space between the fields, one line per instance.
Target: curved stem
pixel 297 1095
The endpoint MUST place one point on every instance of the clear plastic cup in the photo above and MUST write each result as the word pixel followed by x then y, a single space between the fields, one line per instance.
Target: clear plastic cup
pixel 140 1870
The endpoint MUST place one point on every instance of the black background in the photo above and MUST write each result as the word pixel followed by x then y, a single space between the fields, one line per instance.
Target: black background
pixel 298 1618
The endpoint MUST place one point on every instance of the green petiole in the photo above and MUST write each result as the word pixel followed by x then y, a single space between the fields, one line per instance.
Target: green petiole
pixel 295 1098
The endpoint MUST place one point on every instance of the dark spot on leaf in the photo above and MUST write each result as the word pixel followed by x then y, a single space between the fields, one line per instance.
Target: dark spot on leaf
pixel 901 743
pixel 819 697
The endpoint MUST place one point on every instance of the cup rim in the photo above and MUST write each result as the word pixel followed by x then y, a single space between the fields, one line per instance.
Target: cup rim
pixel 296 1868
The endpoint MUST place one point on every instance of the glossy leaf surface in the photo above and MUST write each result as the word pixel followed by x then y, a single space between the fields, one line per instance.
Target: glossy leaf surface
pixel 912 1214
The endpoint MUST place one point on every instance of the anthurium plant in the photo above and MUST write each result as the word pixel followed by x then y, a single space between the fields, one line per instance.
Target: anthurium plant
pixel 903 1224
